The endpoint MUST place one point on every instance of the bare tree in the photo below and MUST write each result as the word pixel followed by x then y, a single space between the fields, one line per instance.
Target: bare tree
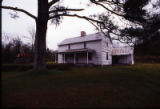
pixel 31 37
pixel 5 38
pixel 32 34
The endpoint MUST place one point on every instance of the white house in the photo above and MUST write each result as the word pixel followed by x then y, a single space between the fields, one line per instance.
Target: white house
pixel 94 49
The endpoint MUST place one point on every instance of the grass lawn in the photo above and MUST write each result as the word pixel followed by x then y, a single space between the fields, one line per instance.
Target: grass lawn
pixel 109 86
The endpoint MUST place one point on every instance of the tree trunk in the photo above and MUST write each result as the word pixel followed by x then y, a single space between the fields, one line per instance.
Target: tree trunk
pixel 40 38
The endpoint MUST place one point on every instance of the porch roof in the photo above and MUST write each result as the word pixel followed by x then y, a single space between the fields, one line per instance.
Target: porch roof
pixel 77 50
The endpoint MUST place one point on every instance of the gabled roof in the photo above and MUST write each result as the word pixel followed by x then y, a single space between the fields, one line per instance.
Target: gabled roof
pixel 90 37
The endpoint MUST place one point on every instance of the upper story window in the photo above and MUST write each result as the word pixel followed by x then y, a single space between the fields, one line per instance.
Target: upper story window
pixel 69 46
pixel 84 44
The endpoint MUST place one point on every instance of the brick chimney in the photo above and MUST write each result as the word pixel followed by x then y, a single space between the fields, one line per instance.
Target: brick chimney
pixel 83 33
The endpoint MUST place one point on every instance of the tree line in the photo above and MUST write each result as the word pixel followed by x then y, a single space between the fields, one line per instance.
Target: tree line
pixel 11 46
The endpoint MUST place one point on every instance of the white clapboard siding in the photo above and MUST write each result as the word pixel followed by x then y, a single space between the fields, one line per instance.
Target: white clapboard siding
pixel 77 46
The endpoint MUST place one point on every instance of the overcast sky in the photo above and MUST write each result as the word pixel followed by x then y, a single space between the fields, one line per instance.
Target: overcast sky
pixel 70 27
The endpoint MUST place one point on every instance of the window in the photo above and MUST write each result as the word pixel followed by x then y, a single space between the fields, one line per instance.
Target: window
pixel 107 56
pixel 90 56
pixel 84 44
pixel 69 47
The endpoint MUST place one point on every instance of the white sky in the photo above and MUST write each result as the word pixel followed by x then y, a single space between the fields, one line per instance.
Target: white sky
pixel 70 27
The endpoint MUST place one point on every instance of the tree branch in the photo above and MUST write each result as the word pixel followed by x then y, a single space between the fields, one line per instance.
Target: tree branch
pixel 61 10
pixel 75 15
pixel 90 20
pixel 20 10
pixel 113 3
pixel 106 8
pixel 52 2
pixel 94 25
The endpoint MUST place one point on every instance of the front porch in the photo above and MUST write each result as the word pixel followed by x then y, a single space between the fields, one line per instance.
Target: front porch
pixel 77 56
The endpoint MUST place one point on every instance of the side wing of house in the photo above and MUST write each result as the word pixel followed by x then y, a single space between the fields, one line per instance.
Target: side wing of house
pixel 123 55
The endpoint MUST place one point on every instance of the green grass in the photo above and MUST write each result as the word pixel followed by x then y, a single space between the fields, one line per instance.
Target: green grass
pixel 109 86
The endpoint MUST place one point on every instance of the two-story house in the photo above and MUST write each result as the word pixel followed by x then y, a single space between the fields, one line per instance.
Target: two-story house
pixel 94 49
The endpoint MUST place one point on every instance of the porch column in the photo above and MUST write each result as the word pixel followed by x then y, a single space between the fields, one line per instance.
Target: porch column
pixel 132 59
pixel 74 58
pixel 64 58
pixel 55 57
pixel 87 57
